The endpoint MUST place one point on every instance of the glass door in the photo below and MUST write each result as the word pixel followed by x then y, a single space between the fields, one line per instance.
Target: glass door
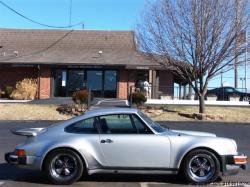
pixel 76 81
pixel 60 83
pixel 110 83
pixel 95 82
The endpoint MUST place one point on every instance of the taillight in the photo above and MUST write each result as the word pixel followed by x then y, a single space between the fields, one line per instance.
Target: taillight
pixel 20 152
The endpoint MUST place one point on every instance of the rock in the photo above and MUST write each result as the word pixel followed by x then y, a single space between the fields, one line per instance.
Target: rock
pixel 188 115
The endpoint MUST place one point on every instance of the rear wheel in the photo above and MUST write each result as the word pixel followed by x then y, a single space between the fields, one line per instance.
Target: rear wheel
pixel 201 167
pixel 63 167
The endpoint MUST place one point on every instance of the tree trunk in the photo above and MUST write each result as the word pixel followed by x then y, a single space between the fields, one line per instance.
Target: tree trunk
pixel 201 104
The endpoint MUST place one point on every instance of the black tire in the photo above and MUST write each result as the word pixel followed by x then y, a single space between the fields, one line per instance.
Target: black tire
pixel 245 98
pixel 200 167
pixel 63 167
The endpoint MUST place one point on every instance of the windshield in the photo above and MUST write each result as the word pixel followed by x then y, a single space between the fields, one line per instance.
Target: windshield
pixel 156 126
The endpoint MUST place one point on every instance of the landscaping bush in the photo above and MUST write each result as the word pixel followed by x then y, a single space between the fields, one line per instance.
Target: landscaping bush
pixel 80 97
pixel 72 109
pixel 8 91
pixel 25 90
pixel 138 98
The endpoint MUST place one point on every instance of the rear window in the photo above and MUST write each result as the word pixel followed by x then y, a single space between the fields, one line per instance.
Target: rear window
pixel 87 126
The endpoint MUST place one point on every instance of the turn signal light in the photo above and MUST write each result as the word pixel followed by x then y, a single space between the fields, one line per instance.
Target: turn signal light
pixel 240 159
pixel 20 152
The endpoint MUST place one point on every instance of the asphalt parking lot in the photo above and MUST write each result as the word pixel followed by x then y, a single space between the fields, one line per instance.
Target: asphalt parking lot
pixel 11 176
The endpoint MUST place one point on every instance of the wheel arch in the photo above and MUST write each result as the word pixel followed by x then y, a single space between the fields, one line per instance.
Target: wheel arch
pixel 84 161
pixel 201 148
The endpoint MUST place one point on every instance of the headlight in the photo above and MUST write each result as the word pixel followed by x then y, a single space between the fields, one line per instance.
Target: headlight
pixel 234 143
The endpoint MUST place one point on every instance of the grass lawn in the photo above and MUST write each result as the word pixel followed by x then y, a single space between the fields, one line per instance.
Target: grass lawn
pixel 231 114
pixel 30 112
pixel 48 112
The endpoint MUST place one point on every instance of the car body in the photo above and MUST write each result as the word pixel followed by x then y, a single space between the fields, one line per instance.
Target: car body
pixel 124 140
pixel 223 93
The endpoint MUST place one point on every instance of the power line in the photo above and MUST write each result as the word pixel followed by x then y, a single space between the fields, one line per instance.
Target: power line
pixel 39 23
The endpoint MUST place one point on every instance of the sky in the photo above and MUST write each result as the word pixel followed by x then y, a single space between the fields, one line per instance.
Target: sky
pixel 95 14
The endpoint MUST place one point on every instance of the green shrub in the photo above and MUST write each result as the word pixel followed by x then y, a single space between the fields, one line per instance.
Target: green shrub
pixel 80 97
pixel 25 90
pixel 138 98
pixel 8 91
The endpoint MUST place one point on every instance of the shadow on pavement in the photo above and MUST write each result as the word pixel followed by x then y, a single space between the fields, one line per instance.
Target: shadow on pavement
pixel 12 173
pixel 174 179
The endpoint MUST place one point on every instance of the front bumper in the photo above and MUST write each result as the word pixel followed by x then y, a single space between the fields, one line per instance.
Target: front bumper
pixel 231 163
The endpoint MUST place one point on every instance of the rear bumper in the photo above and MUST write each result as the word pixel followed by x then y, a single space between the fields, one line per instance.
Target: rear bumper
pixel 30 162
pixel 231 166
pixel 12 158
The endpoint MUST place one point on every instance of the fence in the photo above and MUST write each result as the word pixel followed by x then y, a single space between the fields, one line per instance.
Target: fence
pixel 187 93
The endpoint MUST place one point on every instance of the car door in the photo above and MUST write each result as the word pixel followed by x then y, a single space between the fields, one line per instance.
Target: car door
pixel 125 144
pixel 85 136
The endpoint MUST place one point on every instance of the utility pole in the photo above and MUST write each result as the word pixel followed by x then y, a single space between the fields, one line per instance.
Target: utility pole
pixel 246 61
pixel 221 78
pixel 236 51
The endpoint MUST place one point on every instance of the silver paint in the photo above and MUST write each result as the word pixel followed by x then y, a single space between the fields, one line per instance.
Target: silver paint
pixel 154 153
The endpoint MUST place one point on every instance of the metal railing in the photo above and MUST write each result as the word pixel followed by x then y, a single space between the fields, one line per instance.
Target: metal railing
pixel 187 93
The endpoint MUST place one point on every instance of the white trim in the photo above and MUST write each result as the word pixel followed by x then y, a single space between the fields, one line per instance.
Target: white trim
pixel 196 102
pixel 13 101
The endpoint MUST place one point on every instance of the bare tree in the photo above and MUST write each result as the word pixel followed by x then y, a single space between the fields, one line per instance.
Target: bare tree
pixel 195 39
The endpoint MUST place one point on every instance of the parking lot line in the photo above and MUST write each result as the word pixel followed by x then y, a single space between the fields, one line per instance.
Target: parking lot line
pixel 144 184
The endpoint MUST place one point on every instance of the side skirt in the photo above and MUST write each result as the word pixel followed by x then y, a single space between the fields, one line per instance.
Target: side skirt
pixel 134 170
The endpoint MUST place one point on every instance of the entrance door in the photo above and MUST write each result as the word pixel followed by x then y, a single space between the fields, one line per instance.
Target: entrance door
pixel 60 83
pixel 94 82
pixel 76 81
pixel 110 84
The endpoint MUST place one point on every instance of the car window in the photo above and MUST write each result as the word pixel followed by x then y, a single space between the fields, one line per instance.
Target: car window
pixel 140 126
pixel 157 127
pixel 229 90
pixel 87 126
pixel 117 124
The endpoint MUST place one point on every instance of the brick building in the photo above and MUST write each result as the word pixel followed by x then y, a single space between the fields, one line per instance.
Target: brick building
pixel 63 61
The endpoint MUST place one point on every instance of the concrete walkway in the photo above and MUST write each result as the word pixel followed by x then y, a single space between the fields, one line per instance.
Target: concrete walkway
pixel 106 103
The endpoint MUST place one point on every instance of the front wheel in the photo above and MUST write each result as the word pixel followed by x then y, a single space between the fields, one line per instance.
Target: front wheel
pixel 246 98
pixel 201 167
pixel 63 167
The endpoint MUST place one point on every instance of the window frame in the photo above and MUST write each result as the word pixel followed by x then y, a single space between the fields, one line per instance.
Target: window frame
pixel 143 123
pixel 131 120
pixel 97 126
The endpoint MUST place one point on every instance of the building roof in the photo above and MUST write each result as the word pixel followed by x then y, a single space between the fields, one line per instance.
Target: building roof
pixel 71 47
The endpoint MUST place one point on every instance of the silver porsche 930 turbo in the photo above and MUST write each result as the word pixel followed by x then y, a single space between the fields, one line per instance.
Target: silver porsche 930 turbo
pixel 124 140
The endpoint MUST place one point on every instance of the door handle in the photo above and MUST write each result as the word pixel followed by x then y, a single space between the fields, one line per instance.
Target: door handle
pixel 106 141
